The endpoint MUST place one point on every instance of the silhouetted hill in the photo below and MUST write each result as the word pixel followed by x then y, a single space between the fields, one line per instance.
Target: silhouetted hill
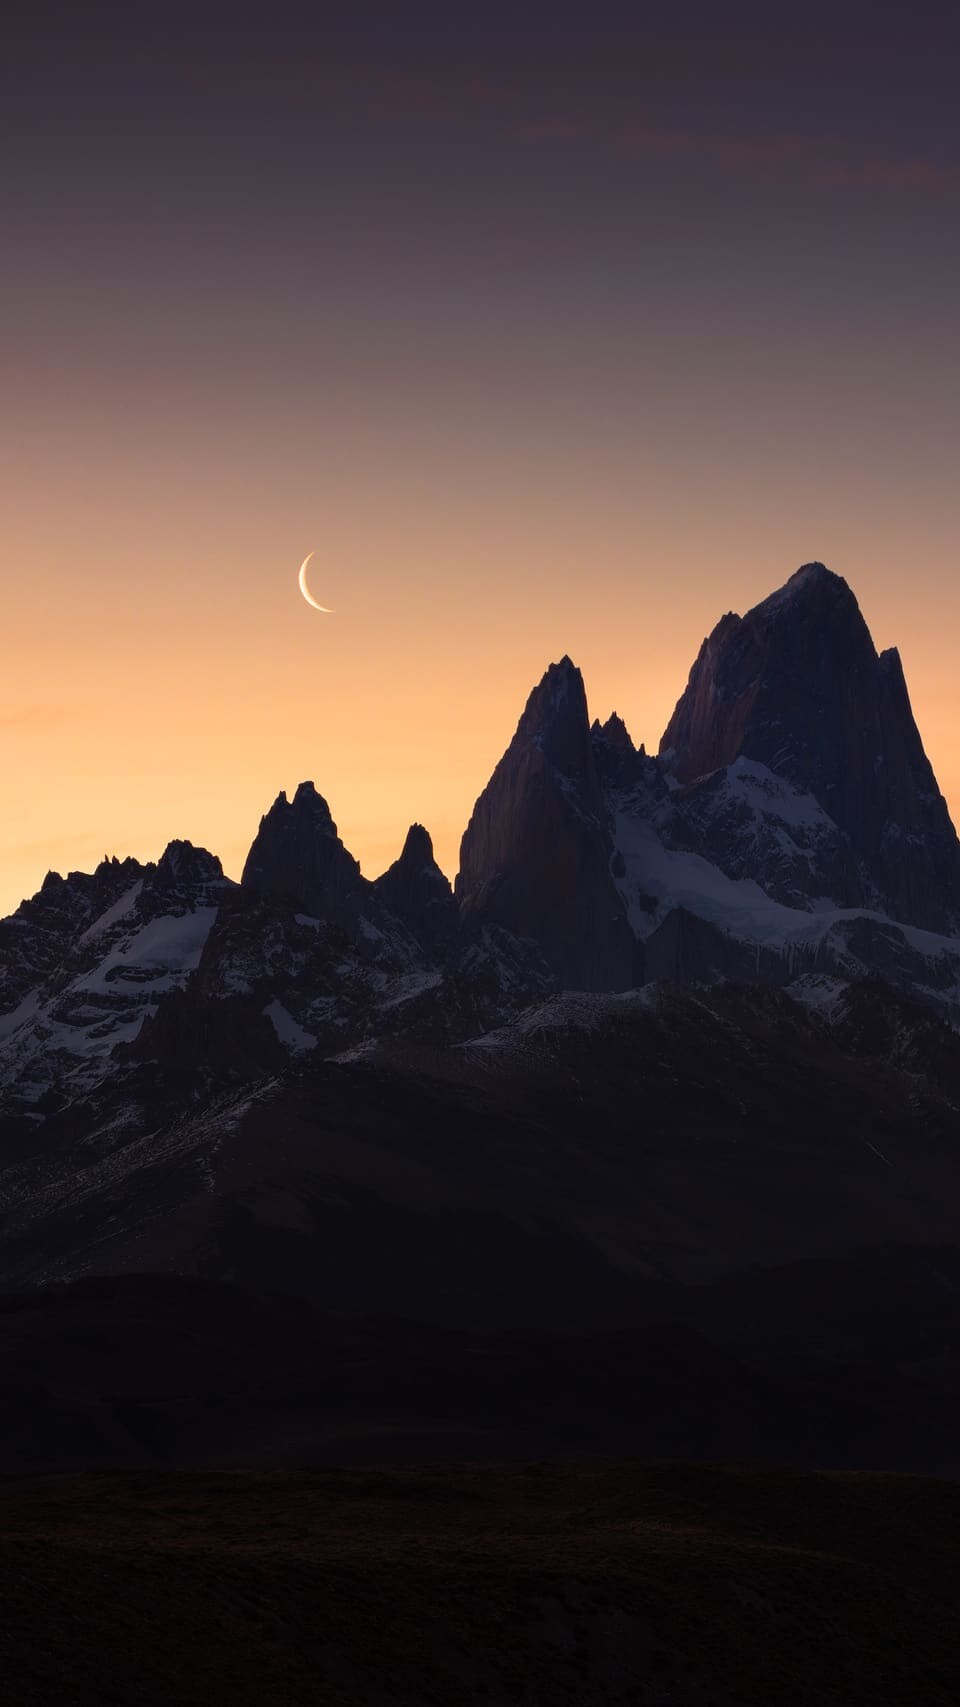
pixel 800 1365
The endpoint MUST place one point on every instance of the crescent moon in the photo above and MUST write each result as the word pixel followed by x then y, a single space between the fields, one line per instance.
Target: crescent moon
pixel 305 590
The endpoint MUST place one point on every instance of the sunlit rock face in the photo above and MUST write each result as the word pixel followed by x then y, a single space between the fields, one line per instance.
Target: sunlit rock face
pixel 535 857
pixel 798 687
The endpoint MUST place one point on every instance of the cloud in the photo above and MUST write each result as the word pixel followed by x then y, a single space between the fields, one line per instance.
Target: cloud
pixel 826 160
pixel 841 96
pixel 695 96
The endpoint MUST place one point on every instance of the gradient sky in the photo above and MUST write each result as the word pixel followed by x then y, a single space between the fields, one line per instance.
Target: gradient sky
pixel 551 329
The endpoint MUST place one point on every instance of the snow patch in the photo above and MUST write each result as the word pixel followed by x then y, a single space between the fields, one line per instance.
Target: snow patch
pixel 20 1015
pixel 113 914
pixel 738 906
pixel 287 1029
pixel 820 993
pixel 170 944
pixel 582 1010
pixel 769 795
pixel 415 984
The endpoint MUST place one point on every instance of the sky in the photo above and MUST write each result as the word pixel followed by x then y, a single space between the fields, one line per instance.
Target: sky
pixel 550 329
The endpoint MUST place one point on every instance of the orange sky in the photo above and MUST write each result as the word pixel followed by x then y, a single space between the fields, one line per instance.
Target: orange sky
pixel 541 350
pixel 166 679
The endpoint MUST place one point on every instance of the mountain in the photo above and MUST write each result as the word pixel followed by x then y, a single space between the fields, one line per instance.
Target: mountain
pixel 790 824
pixel 535 856
pixel 415 891
pixel 685 1021
pixel 549 1170
pixel 298 858
pixel 797 688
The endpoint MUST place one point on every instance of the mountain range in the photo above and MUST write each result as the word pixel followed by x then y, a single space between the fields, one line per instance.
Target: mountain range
pixel 685 1028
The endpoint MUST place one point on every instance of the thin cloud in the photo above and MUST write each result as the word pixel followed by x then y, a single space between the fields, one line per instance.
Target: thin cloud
pixel 595 106
pixel 825 160
pixel 835 100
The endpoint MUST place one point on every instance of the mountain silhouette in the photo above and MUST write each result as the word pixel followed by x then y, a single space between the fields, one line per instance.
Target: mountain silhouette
pixel 684 1021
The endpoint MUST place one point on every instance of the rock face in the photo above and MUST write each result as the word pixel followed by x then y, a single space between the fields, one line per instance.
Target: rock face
pixel 797 686
pixel 535 857
pixel 617 760
pixel 181 862
pixel 415 891
pixel 298 858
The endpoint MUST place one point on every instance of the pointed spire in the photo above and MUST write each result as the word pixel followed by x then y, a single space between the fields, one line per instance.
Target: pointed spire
pixel 298 857
pixel 417 849
pixel 415 890
pixel 535 856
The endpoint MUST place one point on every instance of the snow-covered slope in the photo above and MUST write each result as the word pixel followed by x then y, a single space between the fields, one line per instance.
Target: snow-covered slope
pixel 753 823
pixel 750 930
pixel 103 975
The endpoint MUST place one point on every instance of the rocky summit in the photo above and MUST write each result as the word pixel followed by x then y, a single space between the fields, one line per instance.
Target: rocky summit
pixel 797 687
pixel 536 854
pixel 683 1018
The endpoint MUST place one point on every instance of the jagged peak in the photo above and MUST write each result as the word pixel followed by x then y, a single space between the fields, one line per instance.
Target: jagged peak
pixel 618 760
pixel 812 582
pixel 307 802
pixel 813 597
pixel 182 862
pixel 415 891
pixel 417 847
pixel 814 571
pixel 555 716
pixel 798 687
pixel 615 733
pixel 297 856
pixel 556 686
pixel 112 862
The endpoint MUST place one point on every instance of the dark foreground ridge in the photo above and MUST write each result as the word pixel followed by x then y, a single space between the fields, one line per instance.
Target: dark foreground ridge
pixel 842 1364
pixel 571 1584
